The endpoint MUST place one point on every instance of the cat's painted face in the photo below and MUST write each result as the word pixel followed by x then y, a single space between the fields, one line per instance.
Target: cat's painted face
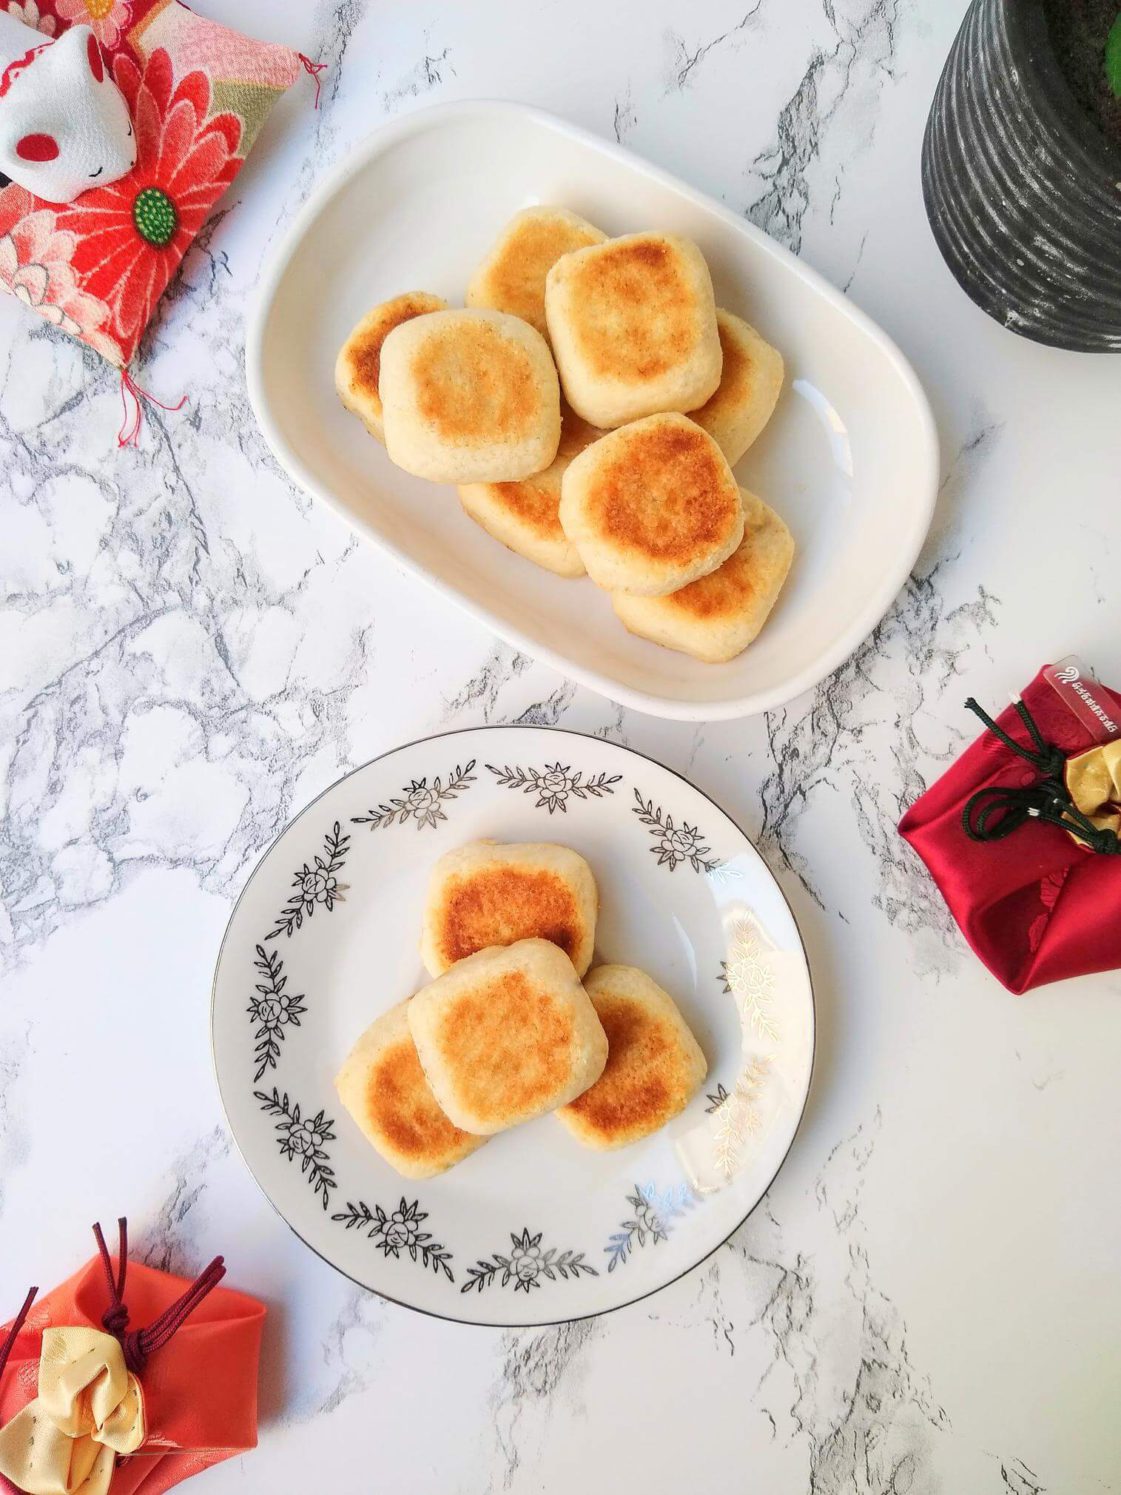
pixel 64 123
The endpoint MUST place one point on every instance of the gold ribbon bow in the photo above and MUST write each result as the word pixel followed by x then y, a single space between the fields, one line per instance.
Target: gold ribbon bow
pixel 90 1408
pixel 1093 781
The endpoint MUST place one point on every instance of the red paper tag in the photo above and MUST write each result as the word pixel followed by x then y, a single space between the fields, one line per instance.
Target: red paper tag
pixel 1080 693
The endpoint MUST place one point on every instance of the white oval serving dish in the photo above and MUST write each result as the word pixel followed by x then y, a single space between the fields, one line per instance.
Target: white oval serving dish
pixel 850 458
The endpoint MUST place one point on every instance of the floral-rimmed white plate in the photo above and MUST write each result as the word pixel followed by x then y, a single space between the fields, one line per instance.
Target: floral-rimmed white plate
pixel 532 1228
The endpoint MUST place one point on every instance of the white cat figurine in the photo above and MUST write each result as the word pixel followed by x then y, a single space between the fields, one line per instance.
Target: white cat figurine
pixel 64 123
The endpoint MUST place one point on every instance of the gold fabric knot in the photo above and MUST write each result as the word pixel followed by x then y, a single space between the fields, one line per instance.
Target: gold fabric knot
pixel 1093 781
pixel 90 1408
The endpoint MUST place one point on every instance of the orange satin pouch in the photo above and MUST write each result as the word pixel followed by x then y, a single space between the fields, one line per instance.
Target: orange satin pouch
pixel 193 1349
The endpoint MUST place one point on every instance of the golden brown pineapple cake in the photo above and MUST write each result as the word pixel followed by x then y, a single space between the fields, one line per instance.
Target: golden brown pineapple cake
pixel 358 366
pixel 633 327
pixel 749 388
pixel 383 1087
pixel 525 516
pixel 652 506
pixel 469 397
pixel 654 1064
pixel 506 1035
pixel 715 618
pixel 485 894
pixel 512 277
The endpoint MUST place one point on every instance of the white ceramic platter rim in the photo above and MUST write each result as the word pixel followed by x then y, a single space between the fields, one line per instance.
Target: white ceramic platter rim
pixel 551 740
pixel 881 593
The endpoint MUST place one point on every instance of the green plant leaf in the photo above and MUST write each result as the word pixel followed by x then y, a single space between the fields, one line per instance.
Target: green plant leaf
pixel 1113 56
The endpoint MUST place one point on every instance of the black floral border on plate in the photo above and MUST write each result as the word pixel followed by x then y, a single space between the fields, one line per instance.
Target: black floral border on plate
pixel 419 802
pixel 272 1010
pixel 526 1264
pixel 653 1211
pixel 717 1100
pixel 555 784
pixel 675 844
pixel 316 886
pixel 303 1137
pixel 399 1231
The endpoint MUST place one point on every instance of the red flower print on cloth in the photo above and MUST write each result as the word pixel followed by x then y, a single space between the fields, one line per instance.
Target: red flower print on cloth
pixel 133 234
pixel 109 19
pixel 28 12
pixel 36 266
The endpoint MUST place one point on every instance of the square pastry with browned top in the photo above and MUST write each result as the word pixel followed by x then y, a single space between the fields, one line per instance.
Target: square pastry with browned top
pixel 654 1064
pixel 382 1086
pixel 652 506
pixel 525 515
pixel 633 327
pixel 469 397
pixel 512 277
pixel 750 384
pixel 486 893
pixel 506 1035
pixel 358 366
pixel 716 617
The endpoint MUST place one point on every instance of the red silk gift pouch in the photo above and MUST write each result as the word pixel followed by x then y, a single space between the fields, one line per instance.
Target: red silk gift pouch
pixel 126 1381
pixel 1020 834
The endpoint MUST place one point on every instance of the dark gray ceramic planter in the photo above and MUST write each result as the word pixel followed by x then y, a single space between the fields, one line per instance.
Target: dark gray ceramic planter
pixel 1022 191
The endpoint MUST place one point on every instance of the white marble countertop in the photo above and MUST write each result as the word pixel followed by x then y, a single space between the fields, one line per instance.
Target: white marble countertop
pixel 929 1297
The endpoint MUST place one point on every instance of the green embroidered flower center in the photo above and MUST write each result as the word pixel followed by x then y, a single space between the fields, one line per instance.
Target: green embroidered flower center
pixel 155 216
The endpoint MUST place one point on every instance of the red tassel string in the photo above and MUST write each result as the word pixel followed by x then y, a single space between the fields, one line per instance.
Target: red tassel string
pixel 157 1334
pixel 17 1324
pixel 115 1318
pixel 129 434
pixel 313 69
pixel 139 1344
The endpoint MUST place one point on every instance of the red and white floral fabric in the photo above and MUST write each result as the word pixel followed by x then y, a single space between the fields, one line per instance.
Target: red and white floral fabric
pixel 198 93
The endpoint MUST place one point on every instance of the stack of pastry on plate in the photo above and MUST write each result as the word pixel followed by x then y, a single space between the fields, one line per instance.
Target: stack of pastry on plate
pixel 513 1025
pixel 628 478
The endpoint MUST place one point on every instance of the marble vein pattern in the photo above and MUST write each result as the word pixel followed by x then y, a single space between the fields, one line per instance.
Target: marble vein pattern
pixel 822 1354
pixel 838 91
pixel 684 57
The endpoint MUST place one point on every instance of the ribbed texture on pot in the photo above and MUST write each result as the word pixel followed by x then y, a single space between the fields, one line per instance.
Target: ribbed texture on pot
pixel 1023 198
